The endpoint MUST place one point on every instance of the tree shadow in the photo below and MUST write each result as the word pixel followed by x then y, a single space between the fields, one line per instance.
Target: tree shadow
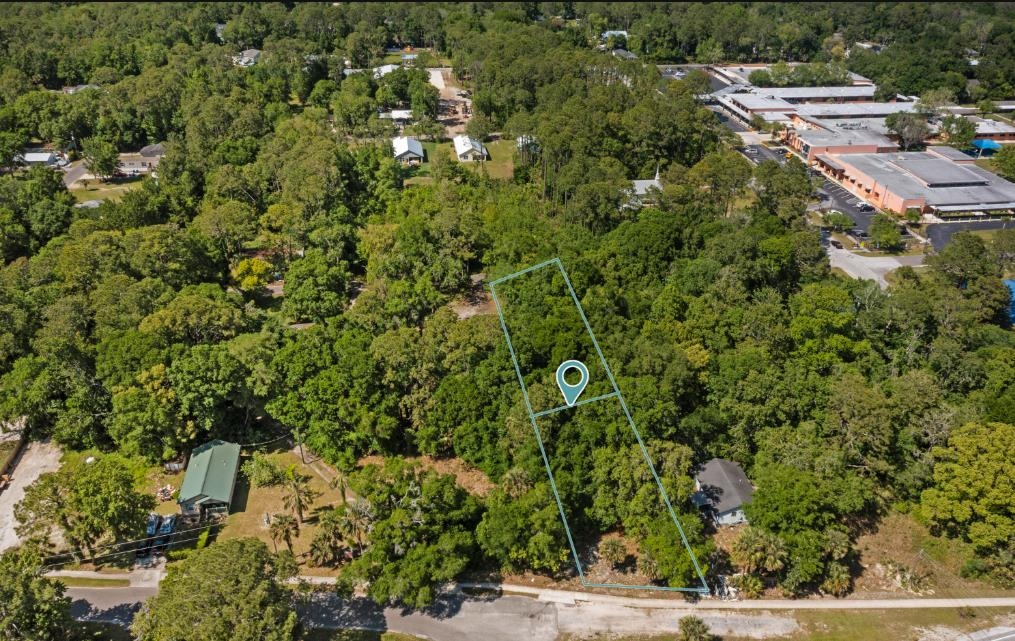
pixel 241 493
pixel 328 610
pixel 121 614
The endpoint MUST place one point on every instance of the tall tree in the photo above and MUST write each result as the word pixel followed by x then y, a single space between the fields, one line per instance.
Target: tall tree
pixel 238 587
pixel 284 527
pixel 101 157
pixel 32 607
pixel 298 496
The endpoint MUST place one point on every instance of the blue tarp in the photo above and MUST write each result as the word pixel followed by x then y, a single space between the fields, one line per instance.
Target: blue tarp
pixel 986 144
pixel 1011 308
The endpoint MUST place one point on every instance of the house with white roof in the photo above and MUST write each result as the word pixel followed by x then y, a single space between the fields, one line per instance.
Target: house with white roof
pixel 408 151
pixel 383 70
pixel 247 58
pixel 468 149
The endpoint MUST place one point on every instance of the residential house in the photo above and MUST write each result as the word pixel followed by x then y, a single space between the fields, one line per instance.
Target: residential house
pixel 383 70
pixel 144 161
pixel 722 487
pixel 469 149
pixel 210 479
pixel 408 151
pixel 247 58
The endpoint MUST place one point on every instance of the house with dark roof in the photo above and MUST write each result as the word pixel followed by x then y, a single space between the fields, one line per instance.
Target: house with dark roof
pixel 722 487
pixel 211 476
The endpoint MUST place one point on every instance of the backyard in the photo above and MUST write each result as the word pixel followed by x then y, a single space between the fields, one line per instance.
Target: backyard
pixel 251 506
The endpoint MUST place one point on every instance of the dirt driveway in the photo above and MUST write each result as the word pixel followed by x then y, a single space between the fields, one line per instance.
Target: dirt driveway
pixel 35 460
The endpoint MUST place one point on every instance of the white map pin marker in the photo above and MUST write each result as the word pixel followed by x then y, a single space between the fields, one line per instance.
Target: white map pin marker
pixel 572 392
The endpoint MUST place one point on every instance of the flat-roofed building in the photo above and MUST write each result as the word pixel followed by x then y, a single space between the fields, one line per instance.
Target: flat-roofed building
pixel 930 181
pixel 811 142
pixel 995 130
pixel 741 74
pixel 854 93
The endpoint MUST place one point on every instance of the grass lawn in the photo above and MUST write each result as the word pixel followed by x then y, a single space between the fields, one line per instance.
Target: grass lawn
pixel 104 191
pixel 250 504
pixel 89 582
pixel 834 625
pixel 502 160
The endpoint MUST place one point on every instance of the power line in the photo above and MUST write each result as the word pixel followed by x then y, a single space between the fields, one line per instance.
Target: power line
pixel 121 553
pixel 130 542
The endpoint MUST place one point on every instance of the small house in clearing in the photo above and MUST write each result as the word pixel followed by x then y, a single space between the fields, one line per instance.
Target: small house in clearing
pixel 468 149
pixel 408 151
pixel 723 488
pixel 211 476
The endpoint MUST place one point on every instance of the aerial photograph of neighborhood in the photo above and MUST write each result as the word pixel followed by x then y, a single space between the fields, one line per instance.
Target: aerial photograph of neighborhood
pixel 498 321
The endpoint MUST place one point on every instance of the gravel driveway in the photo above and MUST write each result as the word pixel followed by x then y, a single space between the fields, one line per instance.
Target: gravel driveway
pixel 36 459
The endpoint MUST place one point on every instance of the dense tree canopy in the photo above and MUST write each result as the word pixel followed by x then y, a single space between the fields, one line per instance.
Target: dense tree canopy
pixel 146 325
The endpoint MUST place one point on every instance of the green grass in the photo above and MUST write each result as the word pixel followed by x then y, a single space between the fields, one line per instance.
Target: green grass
pixel 104 191
pixel 836 625
pixel 502 160
pixel 89 582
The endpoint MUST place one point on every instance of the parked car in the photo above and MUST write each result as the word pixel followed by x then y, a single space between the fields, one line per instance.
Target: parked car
pixel 836 244
pixel 859 233
pixel 750 151
pixel 151 528
pixel 164 534
pixel 864 207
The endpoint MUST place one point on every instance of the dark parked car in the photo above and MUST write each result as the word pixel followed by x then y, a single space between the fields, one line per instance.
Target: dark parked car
pixel 151 527
pixel 164 534
pixel 864 207
pixel 836 244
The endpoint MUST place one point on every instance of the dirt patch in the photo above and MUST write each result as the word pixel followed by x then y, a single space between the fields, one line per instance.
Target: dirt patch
pixel 902 558
pixel 477 302
pixel 469 478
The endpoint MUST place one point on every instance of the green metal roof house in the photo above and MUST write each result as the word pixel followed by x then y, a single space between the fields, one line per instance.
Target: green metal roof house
pixel 211 476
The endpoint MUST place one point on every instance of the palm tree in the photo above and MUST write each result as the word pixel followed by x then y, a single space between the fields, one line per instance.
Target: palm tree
pixel 516 482
pixel 340 483
pixel 756 550
pixel 284 527
pixel 299 496
pixel 357 520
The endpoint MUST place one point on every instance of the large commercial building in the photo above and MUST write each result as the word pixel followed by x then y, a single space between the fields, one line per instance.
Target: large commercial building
pixel 938 181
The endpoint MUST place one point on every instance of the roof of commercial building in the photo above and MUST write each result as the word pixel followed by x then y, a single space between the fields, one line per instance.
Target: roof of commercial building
pixel 951 153
pixel 985 126
pixel 854 109
pixel 940 182
pixel 725 484
pixel 211 472
pixel 753 101
pixel 844 137
pixel 403 145
pixel 742 72
pixel 802 93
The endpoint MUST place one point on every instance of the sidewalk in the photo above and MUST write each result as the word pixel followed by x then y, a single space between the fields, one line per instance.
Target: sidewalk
pixel 139 578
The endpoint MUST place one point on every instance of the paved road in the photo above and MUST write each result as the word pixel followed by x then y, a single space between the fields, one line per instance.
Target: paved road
pixel 74 172
pixel 541 615
pixel 869 267
pixel 109 605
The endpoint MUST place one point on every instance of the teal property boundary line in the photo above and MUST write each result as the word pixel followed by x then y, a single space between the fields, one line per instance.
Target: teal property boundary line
pixel 704 589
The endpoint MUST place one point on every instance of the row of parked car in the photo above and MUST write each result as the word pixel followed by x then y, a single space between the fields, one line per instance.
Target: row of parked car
pixel 159 532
